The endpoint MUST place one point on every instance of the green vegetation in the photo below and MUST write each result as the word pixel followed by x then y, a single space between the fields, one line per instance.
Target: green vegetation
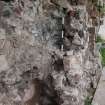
pixel 100 8
pixel 102 52
pixel 88 101
pixel 99 39
pixel 102 49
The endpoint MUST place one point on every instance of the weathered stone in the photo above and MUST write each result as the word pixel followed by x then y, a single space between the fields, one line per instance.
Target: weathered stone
pixel 77 40
pixel 30 42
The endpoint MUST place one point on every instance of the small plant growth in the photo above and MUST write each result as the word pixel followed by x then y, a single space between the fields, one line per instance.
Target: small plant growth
pixel 102 52
pixel 100 8
pixel 99 39
pixel 102 49
pixel 88 101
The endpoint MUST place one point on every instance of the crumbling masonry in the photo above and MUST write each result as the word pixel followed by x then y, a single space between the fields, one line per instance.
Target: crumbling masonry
pixel 33 68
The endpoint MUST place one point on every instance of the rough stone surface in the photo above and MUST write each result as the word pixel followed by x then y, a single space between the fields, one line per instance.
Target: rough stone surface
pixel 33 69
pixel 100 92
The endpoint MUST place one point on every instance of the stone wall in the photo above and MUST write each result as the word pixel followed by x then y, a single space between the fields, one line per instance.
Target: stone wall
pixel 34 70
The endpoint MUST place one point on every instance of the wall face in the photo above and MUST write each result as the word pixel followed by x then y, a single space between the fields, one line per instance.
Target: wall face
pixel 33 69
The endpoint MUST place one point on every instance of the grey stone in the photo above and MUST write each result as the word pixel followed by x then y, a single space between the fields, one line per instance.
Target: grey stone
pixel 100 91
pixel 31 51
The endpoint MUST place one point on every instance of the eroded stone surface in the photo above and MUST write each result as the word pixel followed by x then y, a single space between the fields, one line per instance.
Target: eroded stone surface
pixel 30 49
